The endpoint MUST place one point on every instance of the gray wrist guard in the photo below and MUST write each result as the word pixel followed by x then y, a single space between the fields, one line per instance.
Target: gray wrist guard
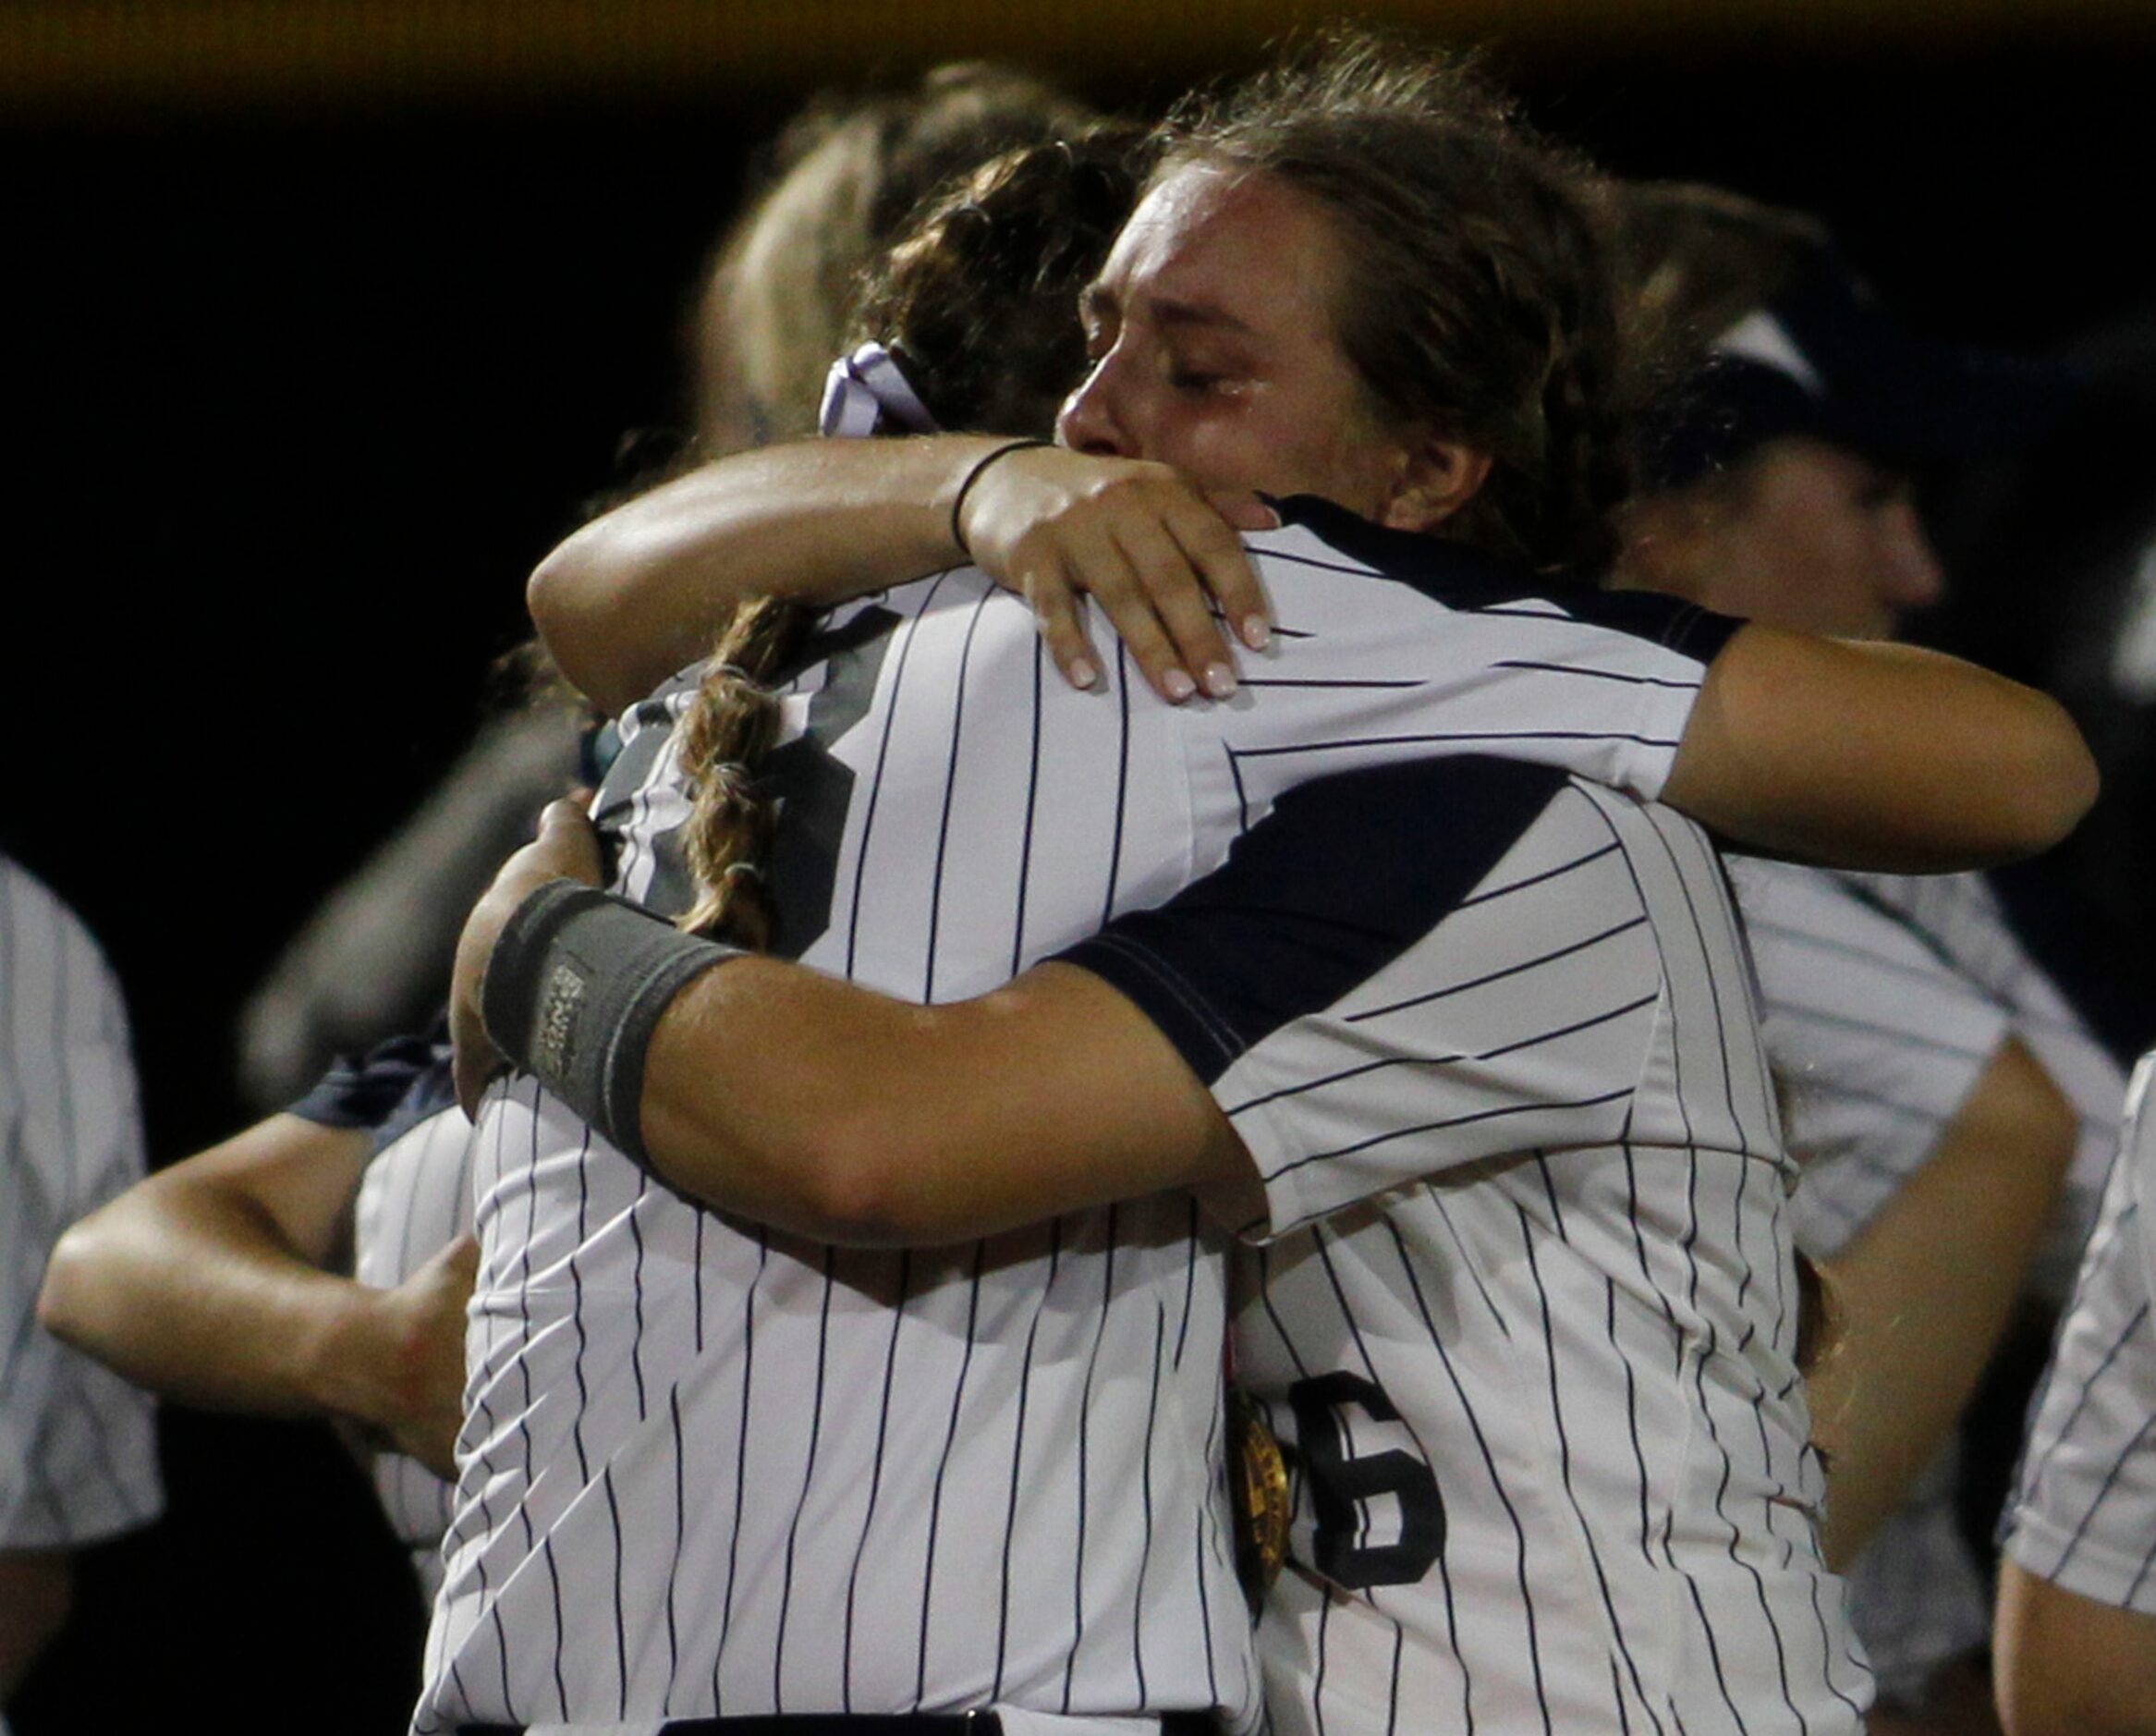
pixel 578 983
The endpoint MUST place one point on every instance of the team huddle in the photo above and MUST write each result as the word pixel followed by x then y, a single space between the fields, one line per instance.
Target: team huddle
pixel 1147 907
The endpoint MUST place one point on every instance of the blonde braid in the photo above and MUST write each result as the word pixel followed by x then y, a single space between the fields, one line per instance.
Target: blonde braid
pixel 730 727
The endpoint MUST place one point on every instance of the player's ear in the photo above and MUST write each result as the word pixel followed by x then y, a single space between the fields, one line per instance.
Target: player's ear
pixel 1436 478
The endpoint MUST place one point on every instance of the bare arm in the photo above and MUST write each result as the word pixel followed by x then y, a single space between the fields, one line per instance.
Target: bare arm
pixel 806 1102
pixel 206 1282
pixel 1882 756
pixel 1859 755
pixel 643 589
pixel 2068 1666
pixel 1924 1292
pixel 829 1110
pixel 640 592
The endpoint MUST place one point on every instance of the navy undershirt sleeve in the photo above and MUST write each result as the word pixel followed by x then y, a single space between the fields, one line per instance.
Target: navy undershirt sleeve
pixel 1342 877
pixel 1463 578
pixel 396 1084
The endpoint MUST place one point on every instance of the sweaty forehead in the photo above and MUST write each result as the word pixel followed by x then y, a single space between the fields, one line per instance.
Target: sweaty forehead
pixel 1226 240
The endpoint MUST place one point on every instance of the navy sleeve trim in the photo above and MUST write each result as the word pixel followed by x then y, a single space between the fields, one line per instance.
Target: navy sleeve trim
pixel 1339 880
pixel 365 1092
pixel 1463 578
pixel 432 1091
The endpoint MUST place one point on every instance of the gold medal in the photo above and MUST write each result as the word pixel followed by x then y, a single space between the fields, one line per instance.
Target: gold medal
pixel 1262 1498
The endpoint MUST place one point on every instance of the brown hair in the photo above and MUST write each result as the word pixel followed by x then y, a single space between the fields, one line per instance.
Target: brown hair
pixel 979 304
pixel 842 179
pixel 1477 303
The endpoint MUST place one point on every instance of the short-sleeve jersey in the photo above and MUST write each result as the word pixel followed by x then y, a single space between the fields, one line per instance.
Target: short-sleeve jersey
pixel 2084 1511
pixel 78 1450
pixel 414 1199
pixel 1885 997
pixel 715 1470
pixel 1525 1315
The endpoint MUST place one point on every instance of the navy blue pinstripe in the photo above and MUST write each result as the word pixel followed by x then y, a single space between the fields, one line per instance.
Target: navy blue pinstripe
pixel 876 784
pixel 1078 1579
pixel 1459 1391
pixel 778 1650
pixel 927 1578
pixel 1032 802
pixel 740 1463
pixel 1152 1413
pixel 853 1578
pixel 1003 1600
pixel 674 1558
pixel 935 907
pixel 1565 1446
pixel 1120 664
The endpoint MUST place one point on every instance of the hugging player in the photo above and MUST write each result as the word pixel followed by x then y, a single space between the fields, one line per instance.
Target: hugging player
pixel 1303 1031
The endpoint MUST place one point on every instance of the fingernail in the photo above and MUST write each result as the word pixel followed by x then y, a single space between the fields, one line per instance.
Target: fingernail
pixel 1179 686
pixel 1220 680
pixel 1257 633
pixel 1083 674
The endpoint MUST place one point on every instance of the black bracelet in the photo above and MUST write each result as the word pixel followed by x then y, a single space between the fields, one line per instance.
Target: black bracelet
pixel 574 991
pixel 973 475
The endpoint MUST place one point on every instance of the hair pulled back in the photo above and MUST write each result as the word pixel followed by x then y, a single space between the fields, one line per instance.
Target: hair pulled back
pixel 980 305
pixel 841 182
pixel 1476 301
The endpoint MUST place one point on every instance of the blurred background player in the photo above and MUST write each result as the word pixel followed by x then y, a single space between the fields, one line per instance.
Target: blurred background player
pixel 221 1281
pixel 312 1265
pixel 830 195
pixel 1941 1091
pixel 78 1452
pixel 2075 1647
pixel 2076 513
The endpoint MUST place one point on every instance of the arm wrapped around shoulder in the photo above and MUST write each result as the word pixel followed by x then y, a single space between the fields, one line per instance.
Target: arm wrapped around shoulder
pixel 576 985
pixel 1881 756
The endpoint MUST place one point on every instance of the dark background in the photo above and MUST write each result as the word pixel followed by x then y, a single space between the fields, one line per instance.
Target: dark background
pixel 305 370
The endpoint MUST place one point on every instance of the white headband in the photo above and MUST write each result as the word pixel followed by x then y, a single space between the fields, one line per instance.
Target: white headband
pixel 868 393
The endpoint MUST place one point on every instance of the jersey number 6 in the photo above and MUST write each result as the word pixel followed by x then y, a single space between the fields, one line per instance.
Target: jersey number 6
pixel 1342 1484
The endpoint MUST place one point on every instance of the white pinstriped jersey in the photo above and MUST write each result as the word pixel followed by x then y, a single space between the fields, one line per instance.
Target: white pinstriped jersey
pixel 2084 1515
pixel 414 1200
pixel 712 1468
pixel 1885 998
pixel 1528 1319
pixel 78 1453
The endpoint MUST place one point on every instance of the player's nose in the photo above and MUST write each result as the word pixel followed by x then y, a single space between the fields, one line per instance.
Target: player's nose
pixel 1094 418
pixel 1910 574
